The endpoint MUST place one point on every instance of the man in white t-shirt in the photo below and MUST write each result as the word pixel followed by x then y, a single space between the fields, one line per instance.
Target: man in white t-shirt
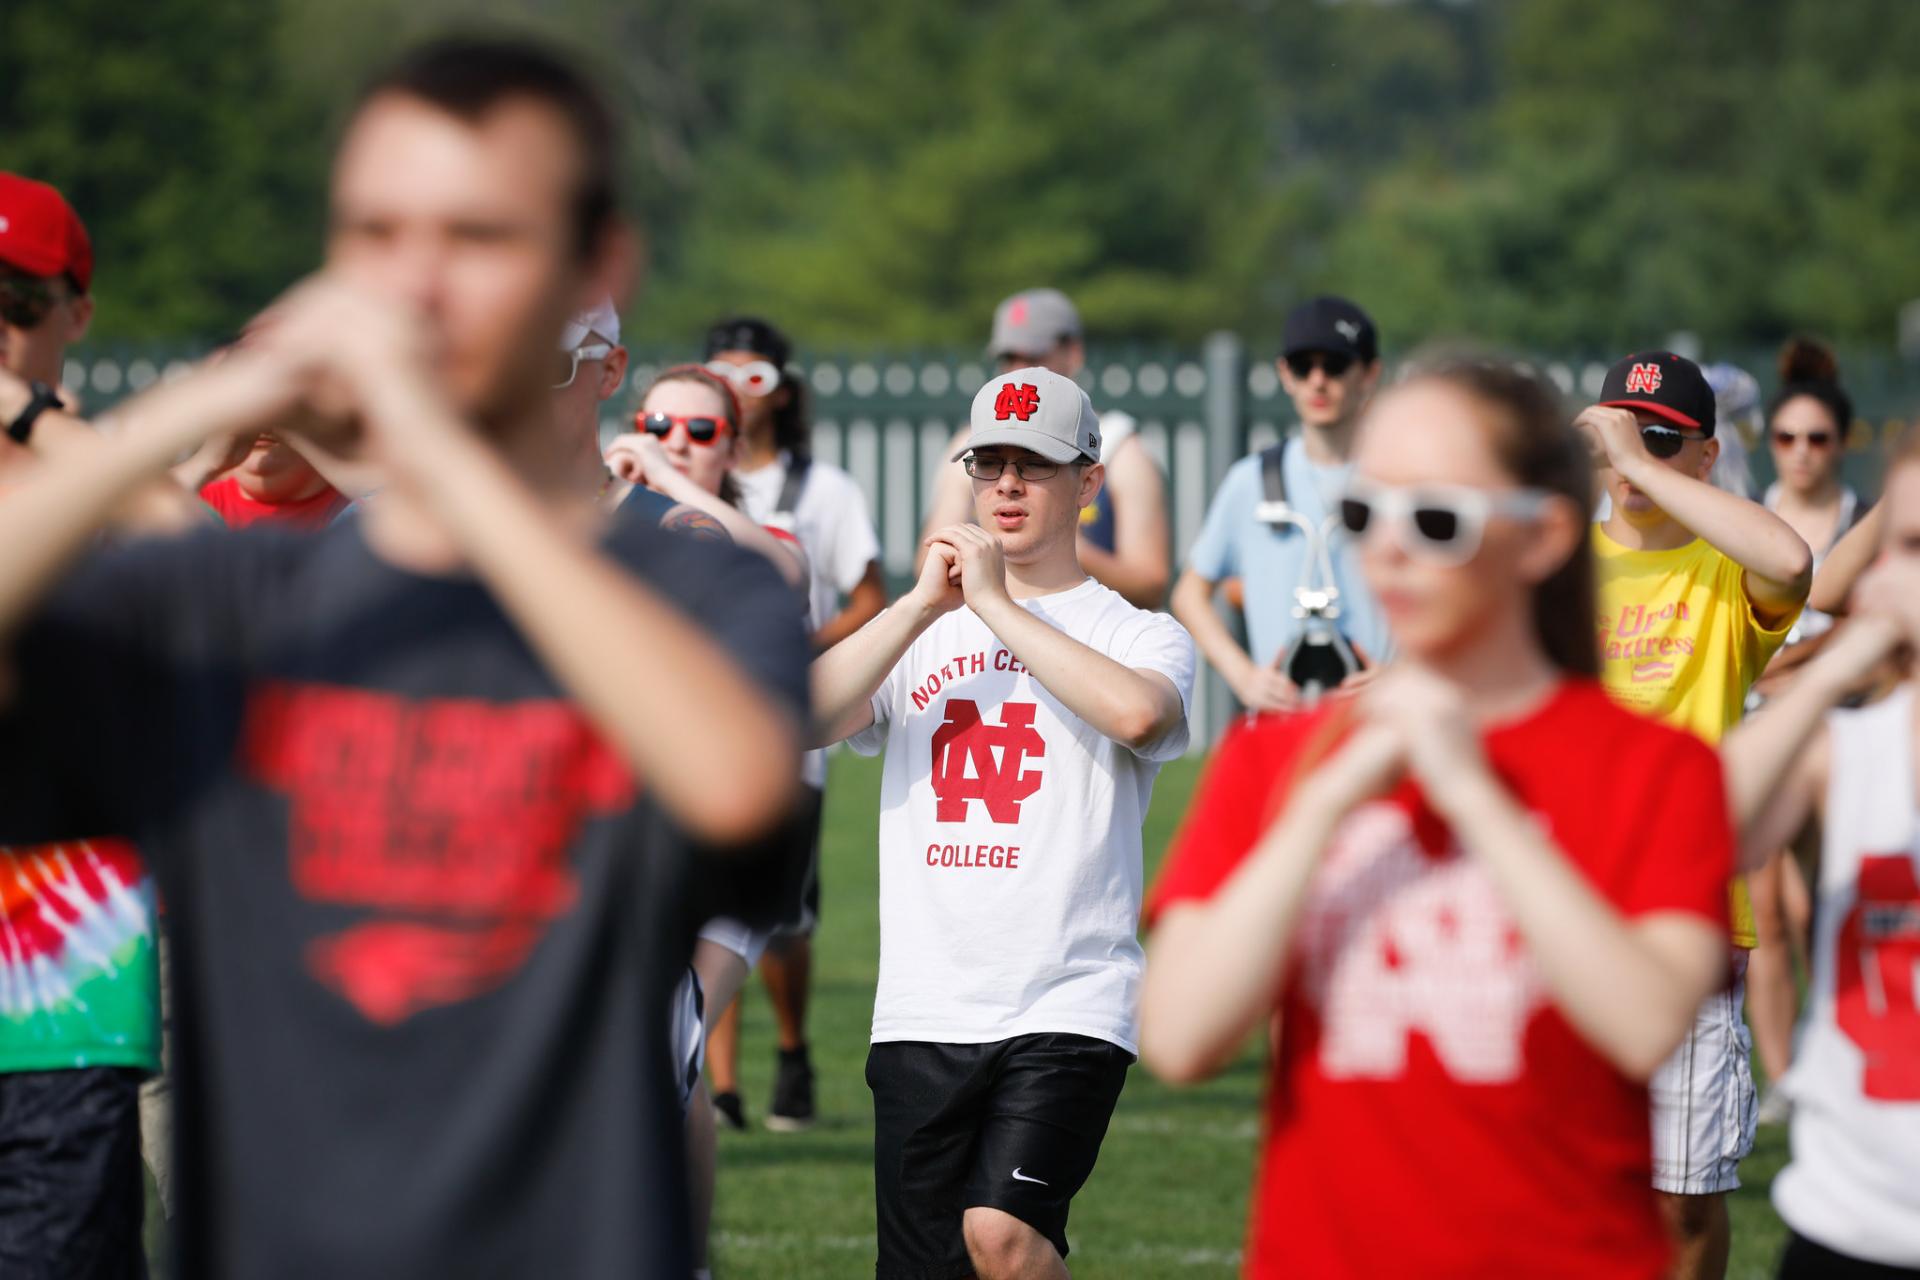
pixel 1025 709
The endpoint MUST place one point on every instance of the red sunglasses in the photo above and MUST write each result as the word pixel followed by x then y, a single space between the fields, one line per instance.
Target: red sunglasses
pixel 700 430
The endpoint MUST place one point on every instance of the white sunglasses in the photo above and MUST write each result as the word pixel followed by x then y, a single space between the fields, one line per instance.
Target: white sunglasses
pixel 756 378
pixel 1441 523
pixel 592 351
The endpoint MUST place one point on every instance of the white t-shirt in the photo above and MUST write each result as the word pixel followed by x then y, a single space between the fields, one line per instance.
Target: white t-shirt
pixel 1010 832
pixel 830 520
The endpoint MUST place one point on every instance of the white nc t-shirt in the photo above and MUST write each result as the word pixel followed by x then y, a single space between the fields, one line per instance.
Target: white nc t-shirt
pixel 1010 832
pixel 830 520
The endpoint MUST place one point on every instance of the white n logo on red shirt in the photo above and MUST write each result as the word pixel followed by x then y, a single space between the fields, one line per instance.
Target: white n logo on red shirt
pixel 1396 942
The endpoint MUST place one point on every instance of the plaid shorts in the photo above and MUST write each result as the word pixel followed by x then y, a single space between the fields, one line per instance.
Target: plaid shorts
pixel 1705 1111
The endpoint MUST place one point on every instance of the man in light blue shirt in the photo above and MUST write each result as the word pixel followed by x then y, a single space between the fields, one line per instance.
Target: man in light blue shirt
pixel 1329 364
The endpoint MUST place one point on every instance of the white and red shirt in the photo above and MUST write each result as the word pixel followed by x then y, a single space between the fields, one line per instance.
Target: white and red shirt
pixel 1854 1182
pixel 1010 872
pixel 1430 1112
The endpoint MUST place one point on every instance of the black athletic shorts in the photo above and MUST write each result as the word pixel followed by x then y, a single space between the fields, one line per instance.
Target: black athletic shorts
pixel 1806 1259
pixel 71 1194
pixel 804 913
pixel 1014 1125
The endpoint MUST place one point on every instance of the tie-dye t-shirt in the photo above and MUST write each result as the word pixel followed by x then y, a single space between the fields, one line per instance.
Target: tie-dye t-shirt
pixel 77 985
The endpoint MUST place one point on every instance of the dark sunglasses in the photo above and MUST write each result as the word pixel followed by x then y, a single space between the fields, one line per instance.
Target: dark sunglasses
pixel 1666 442
pixel 26 300
pixel 1303 363
pixel 699 430
pixel 1814 439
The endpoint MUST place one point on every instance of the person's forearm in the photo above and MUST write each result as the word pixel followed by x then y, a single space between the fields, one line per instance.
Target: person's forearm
pixel 1193 608
pixel 845 677
pixel 1118 701
pixel 1759 752
pixel 49 521
pixel 1214 969
pixel 1848 558
pixel 1629 1003
pixel 868 598
pixel 1745 532
pixel 739 526
pixel 719 754
pixel 156 506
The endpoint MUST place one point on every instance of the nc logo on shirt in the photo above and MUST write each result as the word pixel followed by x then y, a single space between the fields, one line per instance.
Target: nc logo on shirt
pixel 1000 782
pixel 1396 942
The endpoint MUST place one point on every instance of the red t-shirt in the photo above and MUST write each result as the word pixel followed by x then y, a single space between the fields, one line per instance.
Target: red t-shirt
pixel 239 509
pixel 1429 1111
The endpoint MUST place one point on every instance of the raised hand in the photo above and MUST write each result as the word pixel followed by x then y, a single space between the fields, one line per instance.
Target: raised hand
pixel 1431 717
pixel 979 566
pixel 1612 436
pixel 937 589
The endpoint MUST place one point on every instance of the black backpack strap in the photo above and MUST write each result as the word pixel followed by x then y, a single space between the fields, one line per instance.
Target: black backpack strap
pixel 791 487
pixel 1273 473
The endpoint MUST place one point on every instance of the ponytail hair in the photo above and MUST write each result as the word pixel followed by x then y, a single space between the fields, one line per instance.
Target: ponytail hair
pixel 1808 368
pixel 1534 439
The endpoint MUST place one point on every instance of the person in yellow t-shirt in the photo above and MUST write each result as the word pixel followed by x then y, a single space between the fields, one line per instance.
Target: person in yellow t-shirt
pixel 1698 588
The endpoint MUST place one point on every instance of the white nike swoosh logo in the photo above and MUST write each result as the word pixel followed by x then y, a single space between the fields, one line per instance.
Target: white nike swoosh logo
pixel 1021 1177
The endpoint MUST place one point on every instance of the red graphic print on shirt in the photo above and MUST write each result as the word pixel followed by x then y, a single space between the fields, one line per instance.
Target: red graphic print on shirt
pixel 1396 943
pixel 973 760
pixel 449 818
pixel 1877 965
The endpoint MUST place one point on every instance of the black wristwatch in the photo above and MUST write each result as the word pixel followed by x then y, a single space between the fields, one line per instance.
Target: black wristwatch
pixel 44 398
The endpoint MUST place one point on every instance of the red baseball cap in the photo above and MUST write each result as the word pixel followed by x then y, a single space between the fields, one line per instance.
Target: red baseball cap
pixel 40 233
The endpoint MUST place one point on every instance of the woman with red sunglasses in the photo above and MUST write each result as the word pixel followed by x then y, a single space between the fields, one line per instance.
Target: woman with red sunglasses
pixel 684 447
pixel 1476 904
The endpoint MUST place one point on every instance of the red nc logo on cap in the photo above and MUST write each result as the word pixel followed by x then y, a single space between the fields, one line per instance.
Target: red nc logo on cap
pixel 1643 378
pixel 1016 401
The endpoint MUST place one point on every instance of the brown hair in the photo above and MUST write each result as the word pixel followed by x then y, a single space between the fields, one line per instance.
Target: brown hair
pixel 1534 440
pixel 702 376
pixel 1808 368
pixel 468 76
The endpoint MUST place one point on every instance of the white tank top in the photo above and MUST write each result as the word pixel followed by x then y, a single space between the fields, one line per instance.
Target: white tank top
pixel 1854 1181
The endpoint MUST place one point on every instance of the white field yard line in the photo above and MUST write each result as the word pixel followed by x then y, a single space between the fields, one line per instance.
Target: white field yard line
pixel 1136 1251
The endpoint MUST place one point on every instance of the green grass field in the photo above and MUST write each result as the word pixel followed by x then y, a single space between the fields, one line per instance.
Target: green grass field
pixel 1169 1196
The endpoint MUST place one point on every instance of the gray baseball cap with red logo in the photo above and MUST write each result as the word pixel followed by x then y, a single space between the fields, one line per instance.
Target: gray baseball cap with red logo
pixel 1035 409
pixel 1032 323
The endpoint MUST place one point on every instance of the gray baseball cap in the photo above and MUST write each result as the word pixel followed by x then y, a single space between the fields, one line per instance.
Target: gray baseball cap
pixel 1032 323
pixel 1035 409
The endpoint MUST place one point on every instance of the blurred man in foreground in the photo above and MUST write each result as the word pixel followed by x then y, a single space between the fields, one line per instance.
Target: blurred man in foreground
pixel 419 816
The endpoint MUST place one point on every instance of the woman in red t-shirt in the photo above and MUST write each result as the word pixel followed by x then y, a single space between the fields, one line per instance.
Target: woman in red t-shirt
pixel 1478 901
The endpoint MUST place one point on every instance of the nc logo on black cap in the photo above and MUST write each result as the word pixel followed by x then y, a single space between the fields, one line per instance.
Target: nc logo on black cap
pixel 1643 379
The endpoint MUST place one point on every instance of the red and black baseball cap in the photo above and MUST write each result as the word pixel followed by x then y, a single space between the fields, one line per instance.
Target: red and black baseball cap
pixel 1663 384
pixel 40 233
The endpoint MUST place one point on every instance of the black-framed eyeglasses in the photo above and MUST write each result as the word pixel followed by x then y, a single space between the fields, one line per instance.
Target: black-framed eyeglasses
pixel 1666 442
pixel 1302 363
pixel 26 301
pixel 990 467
